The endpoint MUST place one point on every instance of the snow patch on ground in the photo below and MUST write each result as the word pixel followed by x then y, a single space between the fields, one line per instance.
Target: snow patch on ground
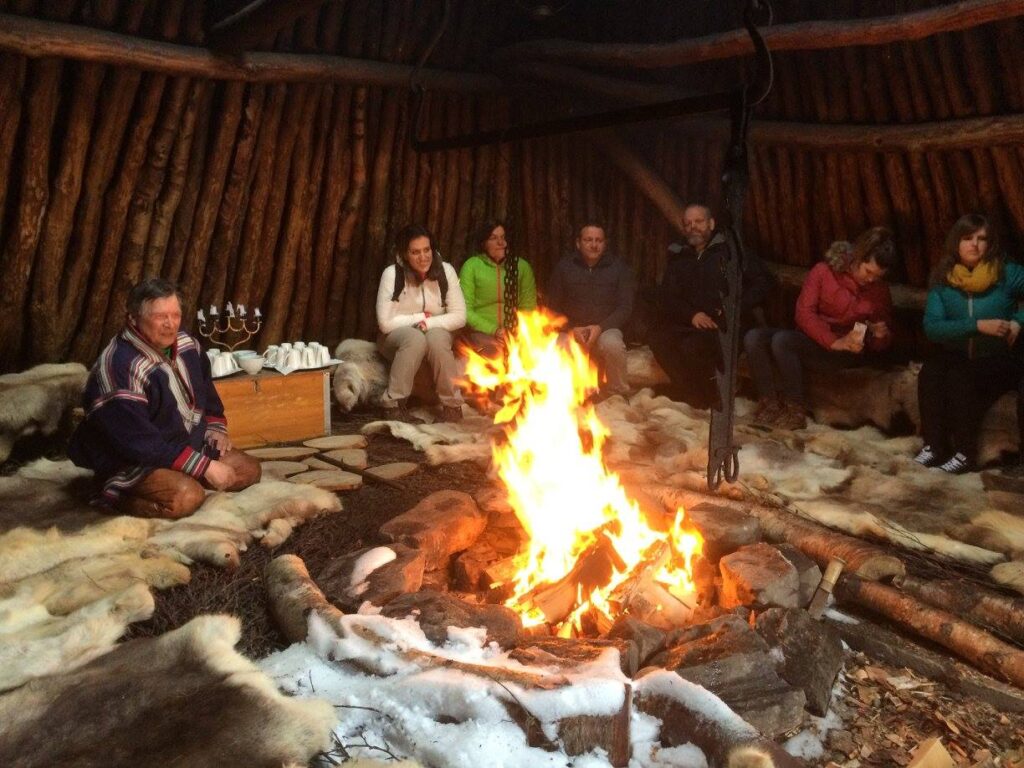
pixel 445 717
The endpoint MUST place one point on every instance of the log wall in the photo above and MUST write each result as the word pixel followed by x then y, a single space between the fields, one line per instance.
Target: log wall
pixel 286 195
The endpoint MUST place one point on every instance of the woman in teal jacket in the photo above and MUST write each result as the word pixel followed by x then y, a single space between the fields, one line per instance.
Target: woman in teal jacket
pixel 497 285
pixel 972 312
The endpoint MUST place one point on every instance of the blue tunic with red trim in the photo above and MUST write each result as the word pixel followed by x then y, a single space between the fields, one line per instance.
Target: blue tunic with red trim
pixel 146 410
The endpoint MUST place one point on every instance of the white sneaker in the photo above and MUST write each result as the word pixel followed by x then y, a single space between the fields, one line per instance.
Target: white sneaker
pixel 956 465
pixel 927 457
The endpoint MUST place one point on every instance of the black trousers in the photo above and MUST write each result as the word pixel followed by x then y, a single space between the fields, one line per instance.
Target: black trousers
pixel 954 392
pixel 689 356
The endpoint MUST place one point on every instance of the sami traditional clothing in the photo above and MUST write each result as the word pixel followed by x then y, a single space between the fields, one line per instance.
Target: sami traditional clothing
pixel 146 409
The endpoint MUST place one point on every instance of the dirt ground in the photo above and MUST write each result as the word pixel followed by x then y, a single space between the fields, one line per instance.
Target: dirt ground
pixel 886 712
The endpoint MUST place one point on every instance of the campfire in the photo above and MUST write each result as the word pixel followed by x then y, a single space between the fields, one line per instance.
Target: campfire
pixel 592 552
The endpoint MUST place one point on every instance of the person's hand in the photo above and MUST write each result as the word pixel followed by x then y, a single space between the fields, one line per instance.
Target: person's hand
pixel 994 327
pixel 219 475
pixel 848 343
pixel 422 325
pixel 879 330
pixel 586 334
pixel 703 321
pixel 218 440
pixel 1011 337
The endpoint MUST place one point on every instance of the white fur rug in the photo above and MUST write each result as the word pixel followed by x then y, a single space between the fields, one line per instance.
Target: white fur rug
pixel 35 401
pixel 72 578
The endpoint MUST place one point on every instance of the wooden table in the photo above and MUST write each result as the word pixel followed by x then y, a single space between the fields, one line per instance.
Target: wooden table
pixel 271 408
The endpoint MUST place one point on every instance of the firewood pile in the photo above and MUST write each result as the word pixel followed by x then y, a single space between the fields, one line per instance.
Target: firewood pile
pixel 747 637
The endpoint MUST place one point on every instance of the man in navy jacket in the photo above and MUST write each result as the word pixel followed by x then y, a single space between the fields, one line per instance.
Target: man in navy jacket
pixel 154 430
pixel 594 290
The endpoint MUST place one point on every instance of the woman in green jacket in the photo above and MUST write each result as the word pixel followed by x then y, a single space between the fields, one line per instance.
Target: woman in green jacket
pixel 497 285
pixel 972 312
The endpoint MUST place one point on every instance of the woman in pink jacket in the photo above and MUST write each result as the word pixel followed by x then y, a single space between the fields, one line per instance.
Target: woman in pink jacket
pixel 844 310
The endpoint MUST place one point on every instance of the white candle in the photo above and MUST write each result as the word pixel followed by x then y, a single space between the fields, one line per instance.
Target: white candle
pixel 230 309
pixel 241 310
pixel 201 316
pixel 258 313
pixel 213 310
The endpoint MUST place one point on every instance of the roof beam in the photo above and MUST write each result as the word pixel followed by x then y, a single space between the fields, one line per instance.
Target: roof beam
pixel 36 38
pixel 799 36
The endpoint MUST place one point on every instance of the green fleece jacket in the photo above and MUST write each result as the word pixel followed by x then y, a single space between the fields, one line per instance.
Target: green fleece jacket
pixel 951 316
pixel 483 285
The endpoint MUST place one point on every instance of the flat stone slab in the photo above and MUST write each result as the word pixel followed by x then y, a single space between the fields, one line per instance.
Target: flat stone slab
pixel 436 611
pixel 758 574
pixel 281 469
pixel 353 457
pixel 443 523
pixel 334 442
pixel 314 463
pixel 283 453
pixel 394 470
pixel 329 480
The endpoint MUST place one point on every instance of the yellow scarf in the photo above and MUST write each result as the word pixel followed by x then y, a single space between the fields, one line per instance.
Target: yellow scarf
pixel 977 280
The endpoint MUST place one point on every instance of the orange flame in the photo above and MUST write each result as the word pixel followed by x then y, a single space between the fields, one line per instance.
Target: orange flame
pixel 552 467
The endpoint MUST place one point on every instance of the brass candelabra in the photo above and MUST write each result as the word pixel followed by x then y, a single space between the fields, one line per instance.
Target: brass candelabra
pixel 233 321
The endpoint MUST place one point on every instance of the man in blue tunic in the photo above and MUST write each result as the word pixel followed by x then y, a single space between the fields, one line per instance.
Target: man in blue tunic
pixel 154 430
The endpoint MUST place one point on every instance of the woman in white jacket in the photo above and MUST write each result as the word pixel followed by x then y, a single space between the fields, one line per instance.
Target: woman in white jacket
pixel 419 307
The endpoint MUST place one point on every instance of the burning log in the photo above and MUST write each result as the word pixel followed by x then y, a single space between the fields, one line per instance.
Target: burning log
pixel 645 599
pixel 593 569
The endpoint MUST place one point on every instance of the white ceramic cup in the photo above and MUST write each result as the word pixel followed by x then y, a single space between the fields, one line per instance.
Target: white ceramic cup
pixel 299 345
pixel 308 358
pixel 323 356
pixel 294 359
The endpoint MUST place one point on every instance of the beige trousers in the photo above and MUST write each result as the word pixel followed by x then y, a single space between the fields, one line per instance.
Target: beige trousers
pixel 406 348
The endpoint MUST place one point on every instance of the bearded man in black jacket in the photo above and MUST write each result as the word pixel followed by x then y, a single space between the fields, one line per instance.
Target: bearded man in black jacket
pixel 685 342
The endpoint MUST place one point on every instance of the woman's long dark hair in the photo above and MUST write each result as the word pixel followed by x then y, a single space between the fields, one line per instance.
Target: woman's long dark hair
pixel 436 270
pixel 510 283
pixel 966 225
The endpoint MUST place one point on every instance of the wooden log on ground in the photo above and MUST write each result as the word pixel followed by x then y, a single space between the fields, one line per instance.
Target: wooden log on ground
pixel 892 648
pixel 977 646
pixel 799 36
pixel 816 541
pixel 696 716
pixel 36 38
pixel 292 595
pixel 998 613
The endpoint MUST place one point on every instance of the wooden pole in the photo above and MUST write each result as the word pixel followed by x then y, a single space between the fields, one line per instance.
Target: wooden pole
pixel 36 38
pixel 799 36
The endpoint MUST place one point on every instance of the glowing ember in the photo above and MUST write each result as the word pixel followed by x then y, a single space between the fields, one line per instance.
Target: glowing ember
pixel 575 511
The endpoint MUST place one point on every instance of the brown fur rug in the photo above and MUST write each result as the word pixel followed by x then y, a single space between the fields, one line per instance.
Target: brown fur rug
pixel 186 698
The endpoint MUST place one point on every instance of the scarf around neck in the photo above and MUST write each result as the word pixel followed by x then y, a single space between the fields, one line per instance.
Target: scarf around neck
pixel 977 280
